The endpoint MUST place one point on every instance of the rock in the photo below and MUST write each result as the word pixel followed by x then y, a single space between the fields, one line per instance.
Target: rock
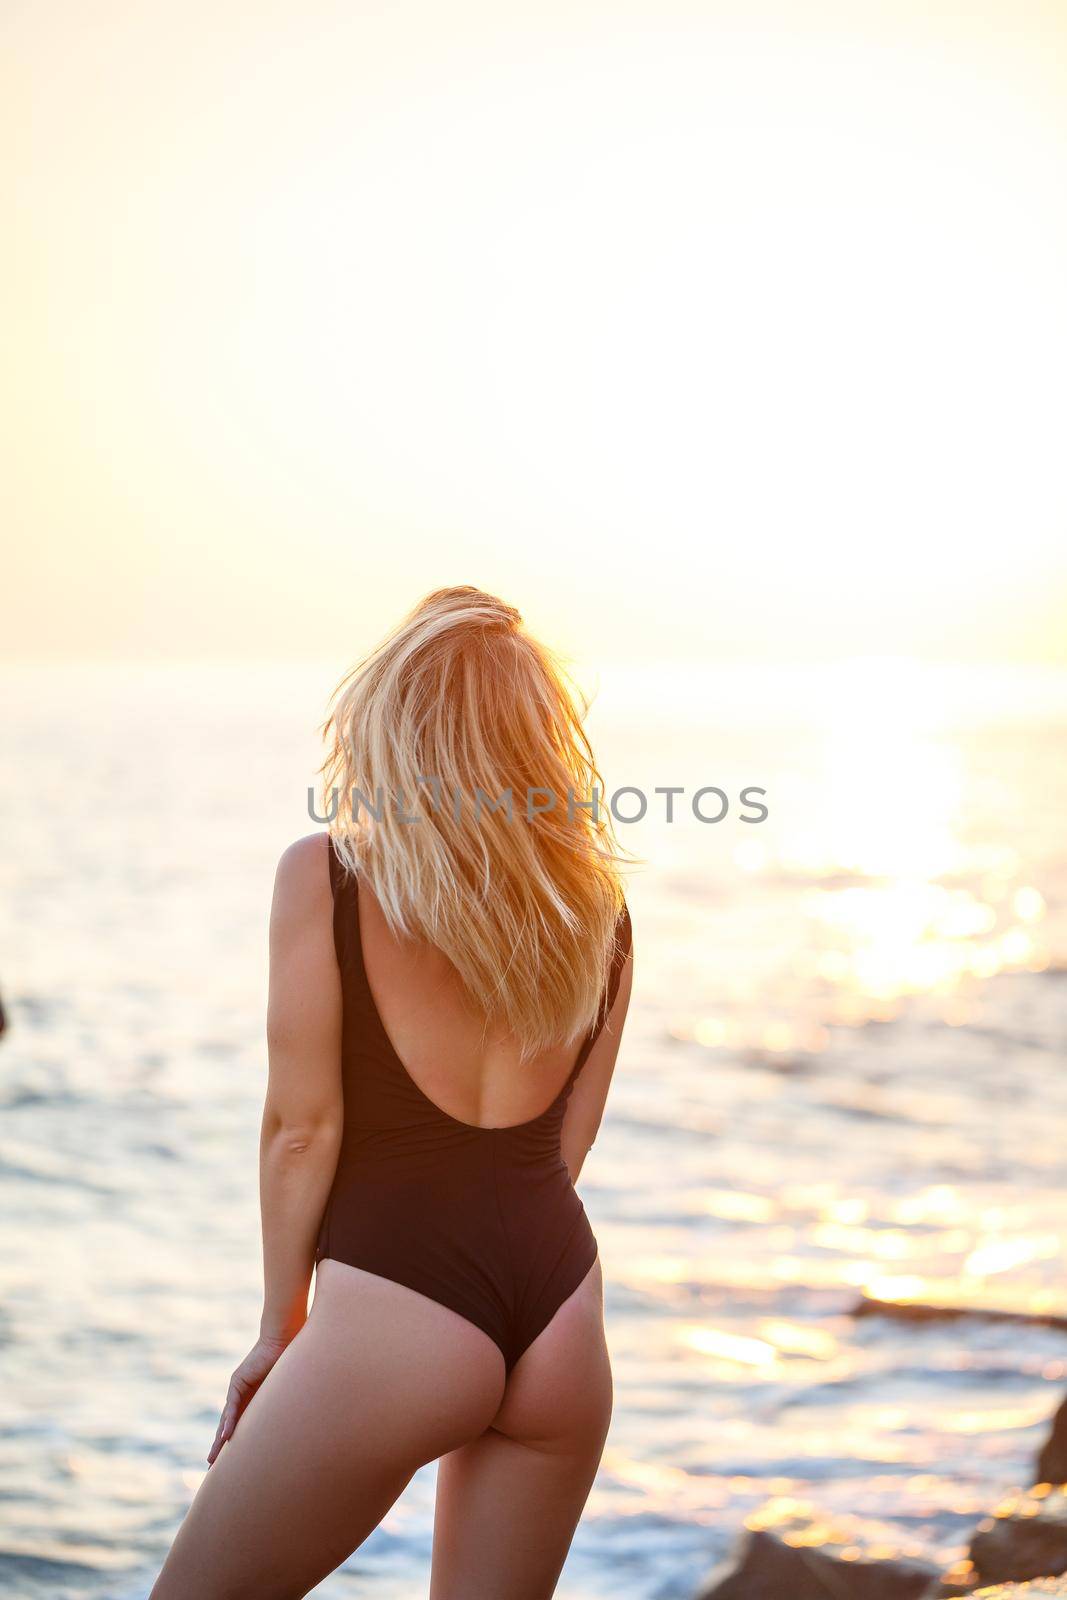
pixel 1052 1462
pixel 1025 1537
pixel 763 1568
pixel 920 1311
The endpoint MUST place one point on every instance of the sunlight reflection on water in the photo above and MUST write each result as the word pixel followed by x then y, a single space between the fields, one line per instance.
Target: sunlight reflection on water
pixel 840 1080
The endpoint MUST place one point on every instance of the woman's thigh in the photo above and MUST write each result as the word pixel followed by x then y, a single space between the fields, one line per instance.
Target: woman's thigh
pixel 379 1381
pixel 508 1502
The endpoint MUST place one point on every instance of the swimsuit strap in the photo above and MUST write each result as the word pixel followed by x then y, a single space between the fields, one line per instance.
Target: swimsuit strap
pixel 623 946
pixel 624 940
pixel 343 890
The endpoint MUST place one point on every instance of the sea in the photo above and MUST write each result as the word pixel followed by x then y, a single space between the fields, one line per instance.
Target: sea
pixel 841 1095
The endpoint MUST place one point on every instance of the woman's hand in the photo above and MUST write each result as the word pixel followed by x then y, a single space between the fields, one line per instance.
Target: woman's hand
pixel 246 1380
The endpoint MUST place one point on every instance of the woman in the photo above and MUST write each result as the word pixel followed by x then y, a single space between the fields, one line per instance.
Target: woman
pixel 450 969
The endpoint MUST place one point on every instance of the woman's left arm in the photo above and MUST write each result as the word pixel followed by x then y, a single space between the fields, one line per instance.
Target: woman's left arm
pixel 304 1111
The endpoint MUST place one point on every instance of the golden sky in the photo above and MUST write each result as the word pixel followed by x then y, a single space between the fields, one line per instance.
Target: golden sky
pixel 699 331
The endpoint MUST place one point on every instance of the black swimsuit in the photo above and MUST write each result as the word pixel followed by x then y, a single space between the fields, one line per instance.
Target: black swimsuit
pixel 485 1221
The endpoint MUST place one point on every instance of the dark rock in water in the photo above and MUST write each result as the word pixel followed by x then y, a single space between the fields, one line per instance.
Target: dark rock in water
pixel 763 1568
pixel 920 1311
pixel 1052 1462
pixel 1026 1537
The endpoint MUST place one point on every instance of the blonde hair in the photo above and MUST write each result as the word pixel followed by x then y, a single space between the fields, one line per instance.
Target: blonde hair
pixel 456 701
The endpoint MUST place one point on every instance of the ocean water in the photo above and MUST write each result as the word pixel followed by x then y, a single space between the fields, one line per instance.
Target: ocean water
pixel 842 1079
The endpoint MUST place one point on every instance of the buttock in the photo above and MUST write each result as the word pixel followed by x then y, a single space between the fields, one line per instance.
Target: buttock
pixel 338 1281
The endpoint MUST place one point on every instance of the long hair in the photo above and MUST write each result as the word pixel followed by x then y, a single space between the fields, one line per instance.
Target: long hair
pixel 461 720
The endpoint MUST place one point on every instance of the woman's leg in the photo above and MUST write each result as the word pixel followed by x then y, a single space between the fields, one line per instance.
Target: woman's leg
pixel 508 1502
pixel 379 1381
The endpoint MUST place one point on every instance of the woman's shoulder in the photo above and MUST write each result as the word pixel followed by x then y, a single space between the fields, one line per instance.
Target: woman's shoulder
pixel 306 856
pixel 303 879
